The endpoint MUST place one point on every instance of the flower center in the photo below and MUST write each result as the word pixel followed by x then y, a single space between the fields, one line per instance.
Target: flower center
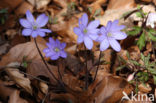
pixel 85 31
pixel 34 27
pixel 57 49
pixel 109 34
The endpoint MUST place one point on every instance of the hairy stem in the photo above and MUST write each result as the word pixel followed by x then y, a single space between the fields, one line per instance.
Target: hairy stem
pixel 97 66
pixel 86 71
pixel 45 62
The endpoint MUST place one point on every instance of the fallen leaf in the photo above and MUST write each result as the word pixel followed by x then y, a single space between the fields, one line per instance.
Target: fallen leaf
pixel 18 77
pixel 15 98
pixel 19 51
pixel 39 3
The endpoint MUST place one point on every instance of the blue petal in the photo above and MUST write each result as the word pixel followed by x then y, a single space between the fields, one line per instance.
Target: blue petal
pixel 55 56
pixel 45 30
pixel 77 31
pixel 114 44
pixel 93 24
pixel 29 16
pixel 80 39
pixel 51 41
pixel 109 24
pixel 46 50
pixel 42 20
pixel 49 54
pixel 94 36
pixel 119 35
pixel 88 42
pixel 25 23
pixel 34 34
pixel 93 31
pixel 85 19
pixel 101 38
pixel 58 43
pixel 42 34
pixel 104 44
pixel 62 45
pixel 26 32
pixel 103 30
pixel 63 54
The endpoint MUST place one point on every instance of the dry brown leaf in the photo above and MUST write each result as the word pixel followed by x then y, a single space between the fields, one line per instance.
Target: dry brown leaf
pixel 38 68
pixel 108 88
pixel 116 4
pixel 19 78
pixel 5 91
pixel 15 98
pixel 145 88
pixel 39 3
pixel 19 51
pixel 23 8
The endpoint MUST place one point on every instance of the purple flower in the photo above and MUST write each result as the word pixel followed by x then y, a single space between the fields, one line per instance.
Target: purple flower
pixel 33 27
pixel 87 32
pixel 110 34
pixel 55 49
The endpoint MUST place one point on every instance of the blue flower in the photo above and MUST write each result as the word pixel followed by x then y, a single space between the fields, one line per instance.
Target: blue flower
pixel 33 27
pixel 55 49
pixel 87 32
pixel 110 34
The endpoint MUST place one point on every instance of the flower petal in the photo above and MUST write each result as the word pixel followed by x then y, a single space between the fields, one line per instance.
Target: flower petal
pixel 42 20
pixel 103 30
pixel 63 54
pixel 42 34
pixel 84 19
pixel 93 24
pixel 51 41
pixel 94 36
pixel 49 54
pixel 109 24
pixel 46 50
pixel 80 39
pixel 77 31
pixel 119 35
pixel 45 30
pixel 93 31
pixel 62 45
pixel 34 34
pixel 88 42
pixel 101 38
pixel 25 23
pixel 55 57
pixel 29 16
pixel 26 32
pixel 104 44
pixel 114 44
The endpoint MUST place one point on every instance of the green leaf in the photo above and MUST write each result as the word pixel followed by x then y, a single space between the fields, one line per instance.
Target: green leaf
pixel 154 78
pixel 97 12
pixel 135 31
pixel 141 41
pixel 120 67
pixel 135 62
pixel 90 9
pixel 138 14
pixel 152 37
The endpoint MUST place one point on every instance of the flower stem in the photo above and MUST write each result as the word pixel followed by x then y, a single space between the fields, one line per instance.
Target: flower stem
pixel 97 66
pixel 45 62
pixel 59 69
pixel 86 71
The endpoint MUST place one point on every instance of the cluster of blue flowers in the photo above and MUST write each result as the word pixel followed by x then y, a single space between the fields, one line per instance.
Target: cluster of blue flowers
pixel 87 32
pixel 105 35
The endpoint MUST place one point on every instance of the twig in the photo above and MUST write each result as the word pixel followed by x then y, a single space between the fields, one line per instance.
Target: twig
pixel 97 66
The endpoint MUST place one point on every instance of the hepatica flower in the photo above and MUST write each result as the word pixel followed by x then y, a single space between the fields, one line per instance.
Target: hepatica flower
pixel 151 19
pixel 33 27
pixel 110 34
pixel 55 49
pixel 87 32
